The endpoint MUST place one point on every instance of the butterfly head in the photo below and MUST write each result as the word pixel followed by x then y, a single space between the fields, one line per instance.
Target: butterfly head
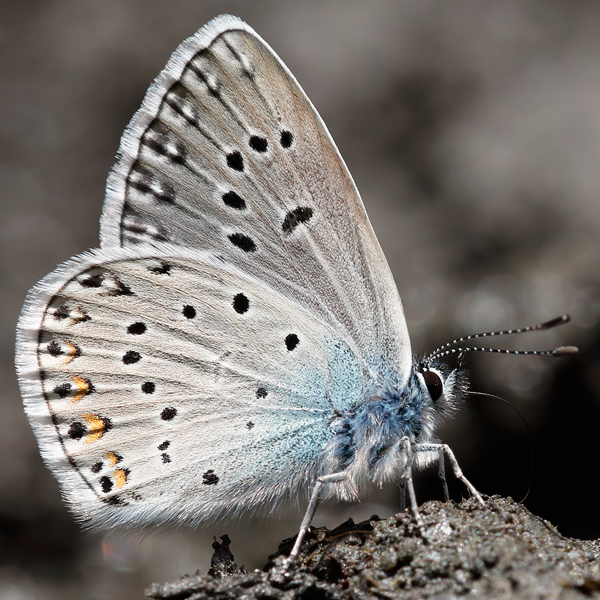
pixel 441 388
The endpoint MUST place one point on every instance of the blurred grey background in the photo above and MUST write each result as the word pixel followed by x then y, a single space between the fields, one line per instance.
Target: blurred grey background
pixel 472 129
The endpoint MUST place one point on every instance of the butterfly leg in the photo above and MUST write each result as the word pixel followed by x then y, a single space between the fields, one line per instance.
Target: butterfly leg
pixel 402 486
pixel 442 473
pixel 310 512
pixel 408 480
pixel 445 449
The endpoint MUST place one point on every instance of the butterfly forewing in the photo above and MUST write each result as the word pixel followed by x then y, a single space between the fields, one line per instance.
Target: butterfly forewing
pixel 227 154
pixel 165 374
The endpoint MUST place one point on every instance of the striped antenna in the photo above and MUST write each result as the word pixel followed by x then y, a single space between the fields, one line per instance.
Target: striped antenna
pixel 448 349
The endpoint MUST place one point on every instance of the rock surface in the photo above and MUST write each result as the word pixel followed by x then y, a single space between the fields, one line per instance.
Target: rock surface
pixel 497 552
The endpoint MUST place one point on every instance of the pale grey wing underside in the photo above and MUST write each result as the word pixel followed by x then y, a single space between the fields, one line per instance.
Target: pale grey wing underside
pixel 228 154
pixel 165 385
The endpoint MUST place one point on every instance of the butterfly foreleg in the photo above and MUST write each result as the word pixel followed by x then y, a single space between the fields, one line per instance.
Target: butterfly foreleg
pixel 310 512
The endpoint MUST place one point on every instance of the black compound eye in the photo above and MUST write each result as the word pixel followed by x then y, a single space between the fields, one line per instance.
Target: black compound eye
pixel 434 384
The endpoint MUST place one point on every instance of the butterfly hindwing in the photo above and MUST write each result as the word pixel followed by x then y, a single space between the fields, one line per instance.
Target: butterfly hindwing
pixel 155 378
pixel 228 154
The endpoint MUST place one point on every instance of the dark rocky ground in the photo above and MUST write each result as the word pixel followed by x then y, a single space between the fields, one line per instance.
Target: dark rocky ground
pixel 500 551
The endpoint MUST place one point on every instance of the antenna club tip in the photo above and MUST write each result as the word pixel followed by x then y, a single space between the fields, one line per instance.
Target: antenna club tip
pixel 555 322
pixel 565 351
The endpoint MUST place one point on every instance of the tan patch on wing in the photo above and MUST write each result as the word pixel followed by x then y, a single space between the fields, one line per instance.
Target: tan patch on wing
pixel 113 458
pixel 120 478
pixel 83 387
pixel 72 352
pixel 97 427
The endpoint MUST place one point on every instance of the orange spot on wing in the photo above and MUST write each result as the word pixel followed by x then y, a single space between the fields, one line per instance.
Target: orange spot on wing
pixel 72 352
pixel 80 317
pixel 82 385
pixel 120 478
pixel 112 459
pixel 97 427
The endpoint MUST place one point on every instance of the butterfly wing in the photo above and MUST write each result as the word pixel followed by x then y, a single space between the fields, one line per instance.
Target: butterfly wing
pixel 166 385
pixel 228 154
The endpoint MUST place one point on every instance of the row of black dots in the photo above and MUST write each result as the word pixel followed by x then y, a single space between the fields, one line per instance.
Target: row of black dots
pixel 131 357
pixel 162 447
pixel 240 303
pixel 235 161
pixel 292 219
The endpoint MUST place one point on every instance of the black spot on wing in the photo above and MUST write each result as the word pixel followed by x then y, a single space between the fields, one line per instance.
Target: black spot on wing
pixel 120 289
pixel 235 161
pixel 241 304
pixel 291 341
pixel 234 200
pixel 80 317
pixel 61 313
pixel 137 328
pixel 302 214
pixel 106 424
pixel 189 312
pixel 243 242
pixel 117 458
pixel 131 357
pixel 106 484
pixel 168 413
pixel 76 430
pixel 54 349
pixel 286 139
pixel 259 144
pixel 93 281
pixel 162 269
pixel 209 478
pixel 116 500
pixel 62 390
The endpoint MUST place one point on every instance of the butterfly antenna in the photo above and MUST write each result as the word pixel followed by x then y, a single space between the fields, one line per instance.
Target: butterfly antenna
pixel 448 349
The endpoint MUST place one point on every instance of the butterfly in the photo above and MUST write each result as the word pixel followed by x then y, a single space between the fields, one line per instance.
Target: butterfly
pixel 238 336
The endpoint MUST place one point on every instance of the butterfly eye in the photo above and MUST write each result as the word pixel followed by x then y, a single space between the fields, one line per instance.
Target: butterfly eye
pixel 434 384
